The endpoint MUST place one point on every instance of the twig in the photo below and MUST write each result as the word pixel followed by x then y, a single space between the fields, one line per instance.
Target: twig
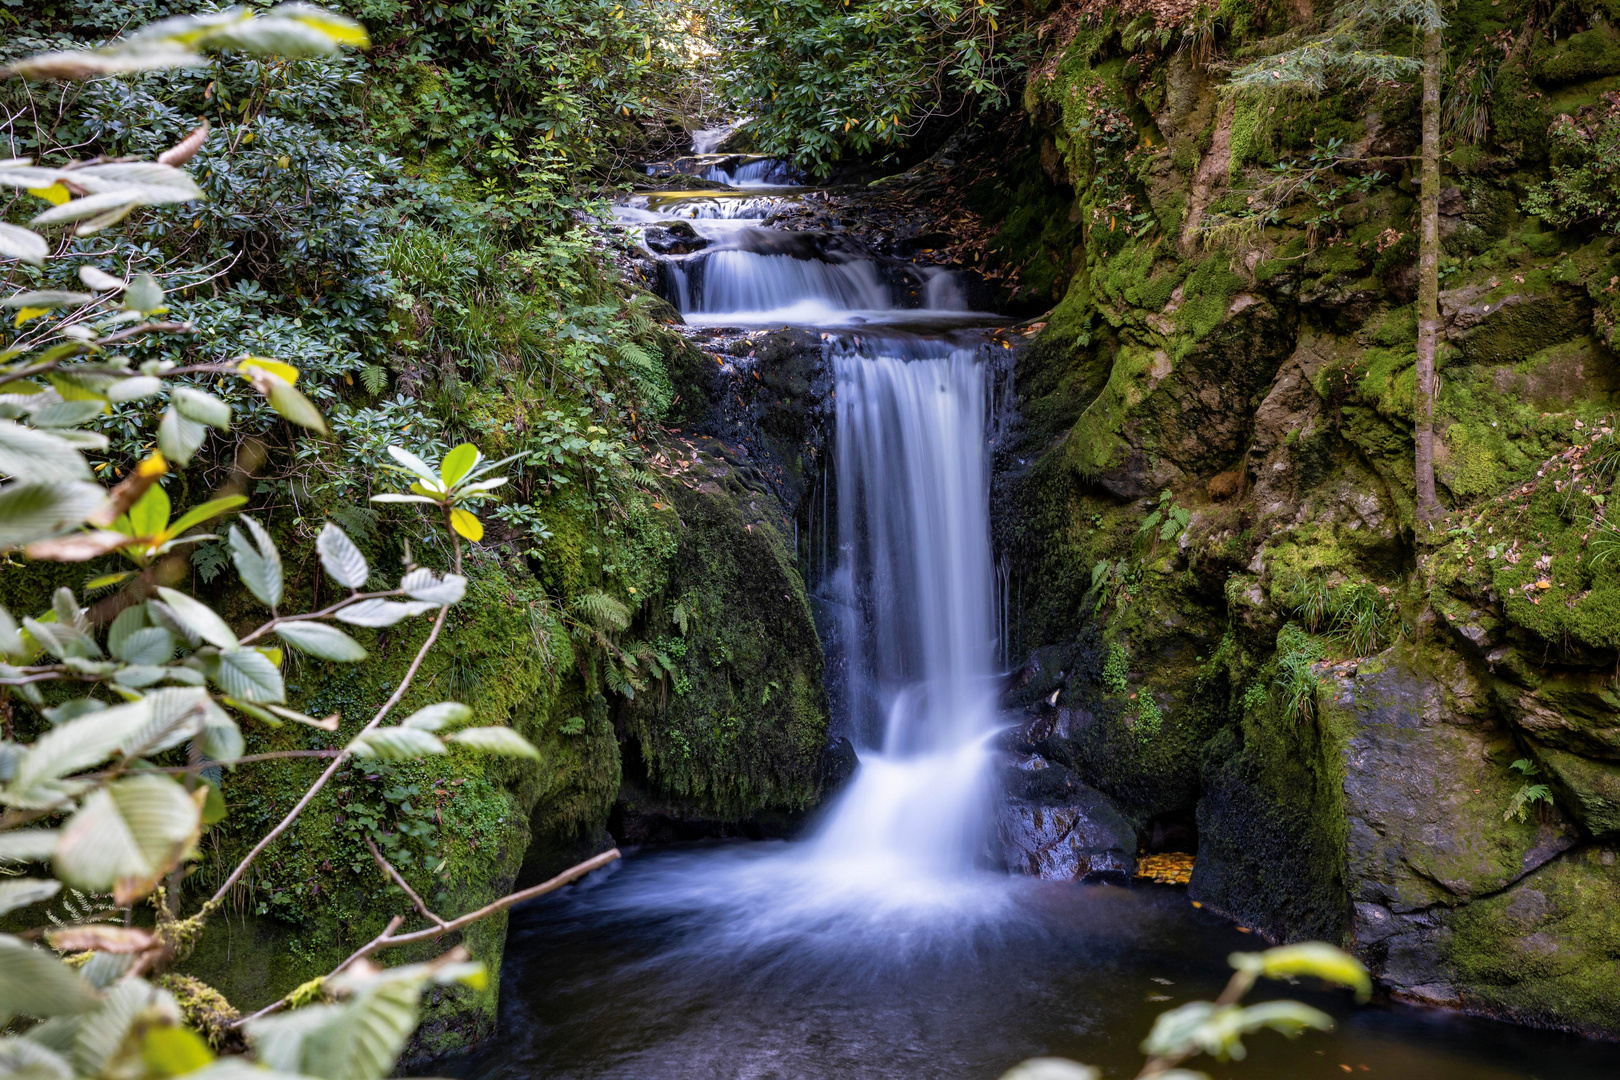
pixel 388 868
pixel 387 939
pixel 331 770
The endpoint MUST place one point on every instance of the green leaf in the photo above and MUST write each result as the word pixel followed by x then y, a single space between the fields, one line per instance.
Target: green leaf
pixel 496 740
pixel 380 612
pixel 40 456
pixel 425 585
pixel 150 514
pixel 259 563
pixel 33 982
pixel 1308 958
pixel 150 645
pixel 287 400
pixel 248 674
pixel 98 280
pixel 178 437
pixel 199 514
pixel 29 1059
pixel 27 845
pixel 20 892
pixel 126 836
pixel 68 414
pixel 221 737
pixel 38 511
pixel 124 624
pixel 23 244
pixel 134 388
pixel 342 560
pixel 467 524
pixel 1051 1069
pixel 202 407
pixel 177 715
pixel 416 465
pixel 70 747
pixel 435 717
pixel 200 618
pixel 171 1050
pixel 458 463
pixel 359 1040
pixel 319 639
pixel 46 298
pixel 396 744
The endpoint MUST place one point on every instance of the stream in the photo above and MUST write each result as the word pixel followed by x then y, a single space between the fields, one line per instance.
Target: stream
pixel 879 945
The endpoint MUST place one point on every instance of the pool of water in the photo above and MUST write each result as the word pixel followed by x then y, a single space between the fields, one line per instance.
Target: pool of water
pixel 756 962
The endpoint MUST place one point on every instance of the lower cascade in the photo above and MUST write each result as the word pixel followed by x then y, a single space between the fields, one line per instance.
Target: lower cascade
pixel 914 588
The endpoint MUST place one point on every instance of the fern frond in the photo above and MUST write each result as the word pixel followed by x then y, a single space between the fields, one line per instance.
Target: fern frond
pixel 374 378
pixel 602 611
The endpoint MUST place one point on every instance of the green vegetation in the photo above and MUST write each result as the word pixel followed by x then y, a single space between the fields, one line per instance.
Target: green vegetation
pixel 1217 1028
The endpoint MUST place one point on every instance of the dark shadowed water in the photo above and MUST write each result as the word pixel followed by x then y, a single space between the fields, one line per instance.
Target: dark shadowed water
pixel 711 964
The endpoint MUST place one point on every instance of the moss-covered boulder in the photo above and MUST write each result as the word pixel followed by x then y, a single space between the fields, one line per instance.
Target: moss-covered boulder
pixel 1547 950
pixel 738 734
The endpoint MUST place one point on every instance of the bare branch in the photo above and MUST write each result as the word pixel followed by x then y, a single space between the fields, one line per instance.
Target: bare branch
pixel 388 869
pixel 337 763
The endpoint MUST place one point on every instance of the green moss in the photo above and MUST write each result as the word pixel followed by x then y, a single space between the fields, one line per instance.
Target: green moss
pixel 741 729
pixel 1546 951
pixel 1245 137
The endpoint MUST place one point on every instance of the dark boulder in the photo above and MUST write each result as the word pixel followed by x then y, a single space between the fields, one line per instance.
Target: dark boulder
pixel 1049 825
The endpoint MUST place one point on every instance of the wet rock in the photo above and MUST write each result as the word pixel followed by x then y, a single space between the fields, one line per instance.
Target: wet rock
pixel 838 764
pixel 1049 825
pixel 1547 950
pixel 674 238
pixel 1426 782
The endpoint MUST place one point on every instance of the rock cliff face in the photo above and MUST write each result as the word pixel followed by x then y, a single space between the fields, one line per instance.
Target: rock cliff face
pixel 1396 736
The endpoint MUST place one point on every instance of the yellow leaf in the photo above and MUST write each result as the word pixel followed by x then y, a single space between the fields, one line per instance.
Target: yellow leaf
pixel 56 194
pixel 467 525
pixel 271 654
pixel 285 372
pixel 174 1051
pixel 27 313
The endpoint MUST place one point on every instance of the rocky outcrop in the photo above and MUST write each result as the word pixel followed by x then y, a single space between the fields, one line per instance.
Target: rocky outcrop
pixel 1395 736
pixel 1051 826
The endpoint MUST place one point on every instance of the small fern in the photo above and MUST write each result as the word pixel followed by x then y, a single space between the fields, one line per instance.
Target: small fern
pixel 78 907
pixel 360 522
pixel 210 558
pixel 1529 793
pixel 374 378
pixel 602 611
pixel 679 616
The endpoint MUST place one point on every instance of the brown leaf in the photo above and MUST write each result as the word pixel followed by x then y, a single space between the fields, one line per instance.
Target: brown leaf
pixel 79 547
pixel 110 939
pixel 183 151
pixel 130 490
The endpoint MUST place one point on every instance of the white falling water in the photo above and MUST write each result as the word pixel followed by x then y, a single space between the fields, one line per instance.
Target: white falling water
pixel 744 286
pixel 891 871
pixel 762 172
pixel 915 586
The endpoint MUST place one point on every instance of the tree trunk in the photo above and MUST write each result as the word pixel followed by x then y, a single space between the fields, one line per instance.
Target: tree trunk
pixel 1428 333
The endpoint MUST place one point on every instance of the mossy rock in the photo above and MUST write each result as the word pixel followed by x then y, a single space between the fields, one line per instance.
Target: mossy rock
pixel 1547 951
pixel 741 729
pixel 1427 782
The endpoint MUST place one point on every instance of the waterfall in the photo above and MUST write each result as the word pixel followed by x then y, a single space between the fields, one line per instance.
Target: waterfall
pixel 761 172
pixel 745 286
pixel 914 582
